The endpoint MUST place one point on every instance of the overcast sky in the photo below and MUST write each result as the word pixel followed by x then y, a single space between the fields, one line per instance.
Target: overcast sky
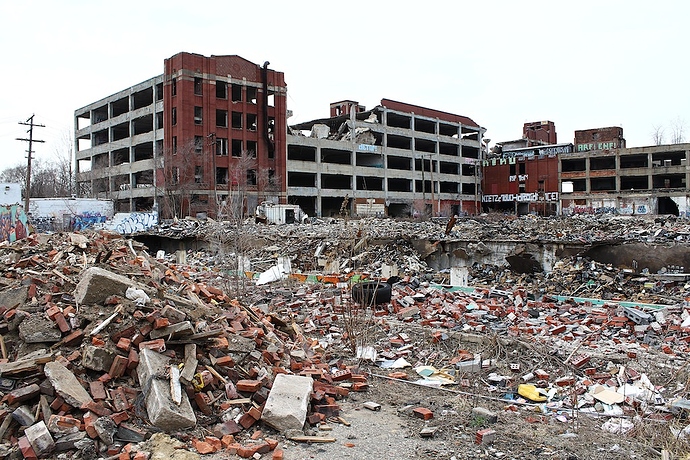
pixel 582 64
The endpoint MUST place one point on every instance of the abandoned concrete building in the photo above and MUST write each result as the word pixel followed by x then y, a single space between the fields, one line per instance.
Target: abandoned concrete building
pixel 595 174
pixel 205 138
pixel 396 159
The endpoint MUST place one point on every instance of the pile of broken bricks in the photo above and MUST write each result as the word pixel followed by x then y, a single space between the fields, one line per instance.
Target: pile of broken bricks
pixel 103 345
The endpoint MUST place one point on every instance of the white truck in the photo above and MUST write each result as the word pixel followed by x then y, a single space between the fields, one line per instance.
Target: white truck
pixel 272 213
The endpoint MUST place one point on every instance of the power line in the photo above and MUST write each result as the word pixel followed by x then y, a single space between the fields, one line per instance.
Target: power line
pixel 30 123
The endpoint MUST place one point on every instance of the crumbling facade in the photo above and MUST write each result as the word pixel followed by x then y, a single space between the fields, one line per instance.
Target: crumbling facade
pixel 205 138
pixel 628 181
pixel 396 159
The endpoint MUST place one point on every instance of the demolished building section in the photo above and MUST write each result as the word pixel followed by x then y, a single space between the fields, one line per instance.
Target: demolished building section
pixel 394 160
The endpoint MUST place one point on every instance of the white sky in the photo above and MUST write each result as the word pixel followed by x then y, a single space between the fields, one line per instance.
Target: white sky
pixel 582 64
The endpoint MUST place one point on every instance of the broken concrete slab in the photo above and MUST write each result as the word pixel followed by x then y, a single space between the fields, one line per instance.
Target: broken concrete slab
pixel 66 385
pixel 288 402
pixel 97 284
pixel 14 297
pixel 162 411
pixel 36 329
pixel 97 358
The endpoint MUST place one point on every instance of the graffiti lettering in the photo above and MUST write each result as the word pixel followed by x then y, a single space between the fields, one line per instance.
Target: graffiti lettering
pixel 13 223
pixel 136 222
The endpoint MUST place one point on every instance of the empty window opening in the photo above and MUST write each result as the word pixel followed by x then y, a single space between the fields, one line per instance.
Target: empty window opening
pixel 271 99
pixel 576 164
pixel 173 116
pixel 251 177
pixel 471 134
pixel 251 149
pixel 198 144
pixel 83 120
pixel 634 161
pixel 83 143
pixel 142 125
pixel 198 174
pixel 398 142
pixel 599 184
pixel 469 170
pixel 237 148
pixel 101 161
pixel 174 145
pixel 198 86
pixel 425 126
pixel 222 118
pixel 99 114
pixel 370 160
pixel 119 107
pixel 221 176
pixel 522 168
pixel 143 179
pixel 342 157
pixel 579 185
pixel 221 89
pixel 251 121
pixel 470 152
pixel 298 179
pixel 120 156
pixel 399 121
pixel 236 93
pixel 221 146
pixel 427 166
pixel 669 181
pixel 401 163
pixel 251 95
pixel 468 188
pixel 173 87
pixel 198 115
pixel 120 131
pixel 100 137
pixel 237 120
pixel 448 168
pixel 301 153
pixel 142 98
pixel 448 187
pixel 423 145
pixel 445 129
pixel 159 120
pixel 143 151
pixel 448 149
pixel 159 92
pixel 336 181
pixel 602 163
pixel 418 186
pixel 369 183
pixel 399 185
pixel 175 175
pixel 627 183
pixel 668 159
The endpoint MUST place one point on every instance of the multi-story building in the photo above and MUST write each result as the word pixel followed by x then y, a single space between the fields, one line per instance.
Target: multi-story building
pixel 602 175
pixel 396 159
pixel 206 137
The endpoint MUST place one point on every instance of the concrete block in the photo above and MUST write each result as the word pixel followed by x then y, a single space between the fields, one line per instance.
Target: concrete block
pixel 97 358
pixel 106 429
pixel 40 439
pixel 66 385
pixel 162 411
pixel 288 402
pixel 36 329
pixel 23 415
pixel 97 284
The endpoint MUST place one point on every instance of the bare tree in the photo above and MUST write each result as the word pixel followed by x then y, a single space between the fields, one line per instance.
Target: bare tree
pixel 181 177
pixel 677 131
pixel 658 134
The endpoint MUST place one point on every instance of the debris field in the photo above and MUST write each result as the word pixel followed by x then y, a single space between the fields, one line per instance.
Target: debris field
pixel 112 351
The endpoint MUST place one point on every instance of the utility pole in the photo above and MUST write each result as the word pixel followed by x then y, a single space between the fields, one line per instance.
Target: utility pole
pixel 30 123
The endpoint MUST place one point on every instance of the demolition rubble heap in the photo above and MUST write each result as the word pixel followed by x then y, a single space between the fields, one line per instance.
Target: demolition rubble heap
pixel 107 349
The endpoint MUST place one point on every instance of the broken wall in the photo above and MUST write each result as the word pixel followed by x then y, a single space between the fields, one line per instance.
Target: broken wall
pixel 58 214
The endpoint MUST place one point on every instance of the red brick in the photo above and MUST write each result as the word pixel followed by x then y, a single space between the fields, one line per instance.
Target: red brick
pixel 132 359
pixel 277 454
pixel 25 447
pixel 75 336
pixel 215 442
pixel 247 421
pixel 62 323
pixel 124 344
pixel 155 345
pixel 423 413
pixel 119 417
pixel 89 419
pixel 203 447
pixel 160 323
pixel 52 311
pixel 248 385
pixel 23 394
pixel 119 366
pixel 97 389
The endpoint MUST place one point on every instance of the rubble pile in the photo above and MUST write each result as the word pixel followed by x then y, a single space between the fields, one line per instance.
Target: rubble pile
pixel 104 345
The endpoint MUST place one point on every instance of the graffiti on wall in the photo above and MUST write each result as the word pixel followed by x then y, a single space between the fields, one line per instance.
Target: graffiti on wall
pixel 13 223
pixel 132 222
pixel 86 220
